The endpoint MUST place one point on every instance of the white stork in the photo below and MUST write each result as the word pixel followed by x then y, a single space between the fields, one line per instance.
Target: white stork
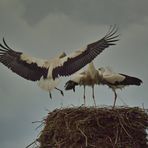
pixel 88 77
pixel 104 76
pixel 47 72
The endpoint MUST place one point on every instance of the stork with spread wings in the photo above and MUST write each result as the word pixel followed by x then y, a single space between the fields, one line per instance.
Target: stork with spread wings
pixel 47 72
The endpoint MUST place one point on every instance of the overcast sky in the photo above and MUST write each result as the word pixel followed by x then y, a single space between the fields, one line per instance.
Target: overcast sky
pixel 45 28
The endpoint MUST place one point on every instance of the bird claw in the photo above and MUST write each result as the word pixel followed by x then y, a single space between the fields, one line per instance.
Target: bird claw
pixel 113 107
pixel 62 93
pixel 83 105
pixel 50 95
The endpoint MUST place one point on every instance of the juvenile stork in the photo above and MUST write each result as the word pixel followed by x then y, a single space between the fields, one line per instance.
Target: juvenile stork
pixel 103 76
pixel 116 80
pixel 88 77
pixel 47 72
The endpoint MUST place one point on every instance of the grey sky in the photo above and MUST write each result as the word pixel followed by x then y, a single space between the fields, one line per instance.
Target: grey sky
pixel 48 27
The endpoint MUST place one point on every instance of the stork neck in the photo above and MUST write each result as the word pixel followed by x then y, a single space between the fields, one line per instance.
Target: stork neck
pixel 92 70
pixel 91 67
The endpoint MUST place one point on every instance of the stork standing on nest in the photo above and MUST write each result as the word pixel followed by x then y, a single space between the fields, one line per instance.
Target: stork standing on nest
pixel 88 77
pixel 116 80
pixel 47 72
pixel 102 76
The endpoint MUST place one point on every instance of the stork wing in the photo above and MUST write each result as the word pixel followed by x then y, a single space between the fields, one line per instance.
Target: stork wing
pixel 130 80
pixel 26 67
pixel 77 60
pixel 113 78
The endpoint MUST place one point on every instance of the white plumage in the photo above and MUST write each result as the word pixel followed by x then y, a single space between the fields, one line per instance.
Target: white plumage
pixel 103 76
pixel 88 77
pixel 47 72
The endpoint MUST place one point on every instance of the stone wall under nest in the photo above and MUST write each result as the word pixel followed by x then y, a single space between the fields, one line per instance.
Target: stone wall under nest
pixel 90 127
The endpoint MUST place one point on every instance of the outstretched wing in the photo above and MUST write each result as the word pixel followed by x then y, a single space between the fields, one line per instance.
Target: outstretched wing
pixel 27 67
pixel 82 57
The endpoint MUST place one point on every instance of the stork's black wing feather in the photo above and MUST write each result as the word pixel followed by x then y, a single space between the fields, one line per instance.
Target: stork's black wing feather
pixel 73 64
pixel 12 59
pixel 130 80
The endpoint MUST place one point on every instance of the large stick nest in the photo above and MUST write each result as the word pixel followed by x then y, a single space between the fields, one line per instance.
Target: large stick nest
pixel 89 127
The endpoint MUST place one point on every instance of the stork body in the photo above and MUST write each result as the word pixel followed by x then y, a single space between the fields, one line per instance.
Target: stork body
pixel 102 76
pixel 116 80
pixel 47 72
pixel 88 77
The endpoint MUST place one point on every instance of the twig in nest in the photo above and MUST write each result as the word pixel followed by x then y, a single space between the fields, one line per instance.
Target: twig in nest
pixel 123 126
pixel 117 134
pixel 110 141
pixel 86 143
pixel 34 142
pixel 41 121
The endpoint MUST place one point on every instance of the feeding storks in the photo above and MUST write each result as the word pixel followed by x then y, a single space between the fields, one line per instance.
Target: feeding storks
pixel 47 72
pixel 102 76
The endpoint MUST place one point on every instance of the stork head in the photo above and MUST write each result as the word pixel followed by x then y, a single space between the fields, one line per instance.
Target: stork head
pixel 70 85
pixel 101 70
